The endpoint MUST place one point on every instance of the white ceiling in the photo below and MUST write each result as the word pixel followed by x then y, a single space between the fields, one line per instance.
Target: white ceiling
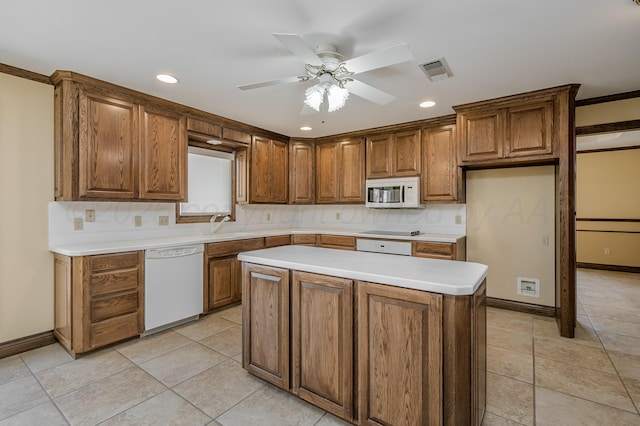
pixel 493 47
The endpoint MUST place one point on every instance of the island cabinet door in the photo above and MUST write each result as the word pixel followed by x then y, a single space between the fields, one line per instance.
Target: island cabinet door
pixel 399 356
pixel 265 316
pixel 322 341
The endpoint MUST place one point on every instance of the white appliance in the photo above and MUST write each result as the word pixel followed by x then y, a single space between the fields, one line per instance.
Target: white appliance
pixel 393 193
pixel 384 246
pixel 173 286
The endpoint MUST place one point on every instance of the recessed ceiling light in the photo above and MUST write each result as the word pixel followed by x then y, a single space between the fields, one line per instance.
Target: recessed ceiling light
pixel 427 104
pixel 166 78
pixel 305 128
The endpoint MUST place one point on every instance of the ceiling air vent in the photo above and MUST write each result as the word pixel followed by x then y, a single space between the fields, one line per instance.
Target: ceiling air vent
pixel 437 70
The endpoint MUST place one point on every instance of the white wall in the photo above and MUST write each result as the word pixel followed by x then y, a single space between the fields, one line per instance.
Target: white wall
pixel 26 185
pixel 115 220
pixel 509 211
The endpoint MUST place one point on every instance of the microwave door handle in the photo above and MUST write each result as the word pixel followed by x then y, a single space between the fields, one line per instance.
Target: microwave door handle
pixel 402 198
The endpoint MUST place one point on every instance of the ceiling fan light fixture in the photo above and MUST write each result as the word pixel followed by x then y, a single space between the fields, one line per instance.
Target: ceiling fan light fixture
pixel 314 96
pixel 335 96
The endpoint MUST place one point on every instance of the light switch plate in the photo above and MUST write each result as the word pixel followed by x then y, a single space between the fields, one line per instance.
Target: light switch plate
pixel 78 224
pixel 163 220
pixel 137 220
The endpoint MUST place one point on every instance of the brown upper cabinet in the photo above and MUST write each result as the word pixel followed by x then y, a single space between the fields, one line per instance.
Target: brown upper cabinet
pixel 439 164
pixel 163 154
pixel 301 173
pixel 521 129
pixel 394 154
pixel 269 171
pixel 111 146
pixel 340 172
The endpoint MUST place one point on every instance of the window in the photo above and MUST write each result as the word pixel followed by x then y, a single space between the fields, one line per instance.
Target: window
pixel 210 185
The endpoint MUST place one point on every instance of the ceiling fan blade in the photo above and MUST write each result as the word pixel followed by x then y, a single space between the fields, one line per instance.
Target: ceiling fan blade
pixel 380 58
pixel 369 93
pixel 298 47
pixel 269 83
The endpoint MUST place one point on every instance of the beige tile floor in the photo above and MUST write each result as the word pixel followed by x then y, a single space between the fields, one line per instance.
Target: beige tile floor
pixel 191 375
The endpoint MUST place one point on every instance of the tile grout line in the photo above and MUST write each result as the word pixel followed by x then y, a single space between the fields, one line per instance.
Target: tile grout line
pixel 33 374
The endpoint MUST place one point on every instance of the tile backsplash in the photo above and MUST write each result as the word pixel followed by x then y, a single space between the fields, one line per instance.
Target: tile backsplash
pixel 116 221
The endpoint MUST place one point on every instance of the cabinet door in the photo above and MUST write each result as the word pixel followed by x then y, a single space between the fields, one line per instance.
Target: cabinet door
pixel 301 173
pixel 439 168
pixel 163 154
pixel 530 129
pixel 259 182
pixel 351 171
pixel 223 281
pixel 322 341
pixel 279 172
pixel 327 173
pixel 406 153
pixel 481 135
pixel 107 148
pixel 265 318
pixel 399 356
pixel 378 156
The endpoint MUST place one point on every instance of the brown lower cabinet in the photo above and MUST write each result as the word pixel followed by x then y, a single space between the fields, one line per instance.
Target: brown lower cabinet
pixel 223 278
pixel 369 353
pixel 322 341
pixel 99 299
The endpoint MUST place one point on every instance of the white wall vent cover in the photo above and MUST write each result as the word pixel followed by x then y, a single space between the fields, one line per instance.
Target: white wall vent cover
pixel 436 70
pixel 528 287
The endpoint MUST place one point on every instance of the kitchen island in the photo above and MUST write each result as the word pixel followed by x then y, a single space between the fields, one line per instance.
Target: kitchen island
pixel 372 338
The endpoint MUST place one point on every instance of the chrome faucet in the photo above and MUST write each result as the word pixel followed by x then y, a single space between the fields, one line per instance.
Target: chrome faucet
pixel 214 225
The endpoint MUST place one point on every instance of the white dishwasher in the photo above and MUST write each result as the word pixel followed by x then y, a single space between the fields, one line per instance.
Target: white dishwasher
pixel 173 279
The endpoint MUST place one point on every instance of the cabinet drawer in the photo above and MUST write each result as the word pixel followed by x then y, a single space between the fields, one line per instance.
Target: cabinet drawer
pixel 109 307
pixel 233 247
pixel 113 281
pixel 337 241
pixel 104 262
pixel 278 240
pixel 113 330
pixel 309 239
pixel 433 250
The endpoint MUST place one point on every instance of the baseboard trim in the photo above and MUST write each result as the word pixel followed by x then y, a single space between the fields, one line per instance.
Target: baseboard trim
pixel 527 308
pixel 633 269
pixel 23 344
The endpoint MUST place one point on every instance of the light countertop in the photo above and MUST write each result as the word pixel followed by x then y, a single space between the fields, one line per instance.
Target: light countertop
pixel 433 275
pixel 85 249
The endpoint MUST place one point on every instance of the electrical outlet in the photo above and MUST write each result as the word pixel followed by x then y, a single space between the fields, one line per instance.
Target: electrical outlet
pixel 89 215
pixel 78 224
pixel 607 251
pixel 268 217
pixel 163 220
pixel 544 240
pixel 137 220
pixel 458 219
pixel 338 216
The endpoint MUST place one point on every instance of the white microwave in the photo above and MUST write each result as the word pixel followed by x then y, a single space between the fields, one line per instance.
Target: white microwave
pixel 393 193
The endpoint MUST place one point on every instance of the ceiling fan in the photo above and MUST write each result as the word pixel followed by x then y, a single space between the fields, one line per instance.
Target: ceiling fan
pixel 334 74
